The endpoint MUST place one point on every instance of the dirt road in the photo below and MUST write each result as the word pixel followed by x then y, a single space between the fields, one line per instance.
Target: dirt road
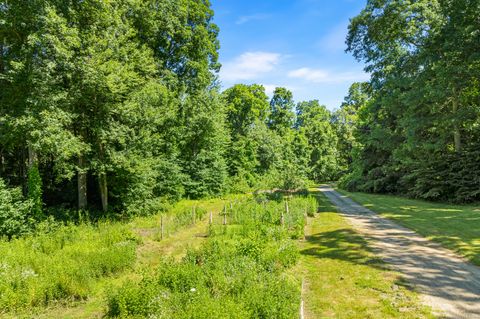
pixel 447 283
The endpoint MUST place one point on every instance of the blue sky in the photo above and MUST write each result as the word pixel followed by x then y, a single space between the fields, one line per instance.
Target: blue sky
pixel 298 44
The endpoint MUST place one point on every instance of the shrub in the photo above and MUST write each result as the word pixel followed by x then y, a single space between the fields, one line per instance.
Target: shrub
pixel 15 212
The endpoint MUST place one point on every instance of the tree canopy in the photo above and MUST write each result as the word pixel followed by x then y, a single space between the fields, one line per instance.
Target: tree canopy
pixel 418 132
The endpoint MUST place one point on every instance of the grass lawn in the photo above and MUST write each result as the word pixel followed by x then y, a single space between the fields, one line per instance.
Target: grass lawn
pixel 456 227
pixel 343 279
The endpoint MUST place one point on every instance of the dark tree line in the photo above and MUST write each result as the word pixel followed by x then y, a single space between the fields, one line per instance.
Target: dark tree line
pixel 417 127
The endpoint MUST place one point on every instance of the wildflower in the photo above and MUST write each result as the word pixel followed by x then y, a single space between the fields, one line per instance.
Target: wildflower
pixel 28 273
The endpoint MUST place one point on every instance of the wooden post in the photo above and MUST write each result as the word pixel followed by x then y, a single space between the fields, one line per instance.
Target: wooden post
pixel 225 215
pixel 193 215
pixel 282 219
pixel 161 227
pixel 302 311
pixel 210 221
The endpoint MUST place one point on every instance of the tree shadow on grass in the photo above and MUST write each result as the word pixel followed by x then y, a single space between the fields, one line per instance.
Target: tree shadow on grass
pixel 342 244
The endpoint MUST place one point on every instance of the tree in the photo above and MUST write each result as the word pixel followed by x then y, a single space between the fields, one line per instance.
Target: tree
pixel 421 119
pixel 281 117
pixel 345 122
pixel 314 121
pixel 245 106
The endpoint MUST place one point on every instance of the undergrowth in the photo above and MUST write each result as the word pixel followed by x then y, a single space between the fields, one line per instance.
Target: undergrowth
pixel 240 272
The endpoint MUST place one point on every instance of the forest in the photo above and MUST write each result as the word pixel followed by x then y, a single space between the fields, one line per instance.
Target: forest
pixel 134 184
pixel 115 107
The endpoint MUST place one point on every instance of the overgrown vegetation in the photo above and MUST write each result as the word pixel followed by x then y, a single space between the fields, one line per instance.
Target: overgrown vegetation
pixel 62 267
pixel 238 273
pixel 61 263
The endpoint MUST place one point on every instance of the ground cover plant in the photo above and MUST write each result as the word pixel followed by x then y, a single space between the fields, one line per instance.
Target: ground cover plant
pixel 453 226
pixel 240 272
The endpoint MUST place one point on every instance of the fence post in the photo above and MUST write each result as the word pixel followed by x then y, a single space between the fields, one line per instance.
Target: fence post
pixel 225 215
pixel 161 227
pixel 302 311
pixel 210 220
pixel 193 215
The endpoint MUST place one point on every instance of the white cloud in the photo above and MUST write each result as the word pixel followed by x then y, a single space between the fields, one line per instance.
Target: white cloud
pixel 310 75
pixel 324 76
pixel 270 88
pixel 249 65
pixel 257 16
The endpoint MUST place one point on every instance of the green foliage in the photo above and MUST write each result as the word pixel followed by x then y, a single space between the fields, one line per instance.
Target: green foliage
pixel 61 263
pixel 238 273
pixel 15 212
pixel 282 106
pixel 314 121
pixel 119 93
pixel 416 131
pixel 246 104
pixel 35 191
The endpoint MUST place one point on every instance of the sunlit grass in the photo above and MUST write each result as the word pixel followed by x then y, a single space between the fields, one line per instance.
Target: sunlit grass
pixel 456 227
pixel 343 279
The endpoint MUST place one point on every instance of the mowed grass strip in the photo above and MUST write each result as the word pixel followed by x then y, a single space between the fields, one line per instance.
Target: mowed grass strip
pixel 456 227
pixel 343 279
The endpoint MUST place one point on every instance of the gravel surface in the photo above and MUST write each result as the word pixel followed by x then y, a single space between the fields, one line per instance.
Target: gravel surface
pixel 446 282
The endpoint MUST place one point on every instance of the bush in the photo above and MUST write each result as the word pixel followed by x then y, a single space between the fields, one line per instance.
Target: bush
pixel 15 212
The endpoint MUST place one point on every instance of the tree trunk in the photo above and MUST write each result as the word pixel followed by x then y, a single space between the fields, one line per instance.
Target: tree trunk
pixel 102 180
pixel 32 157
pixel 82 184
pixel 2 164
pixel 456 129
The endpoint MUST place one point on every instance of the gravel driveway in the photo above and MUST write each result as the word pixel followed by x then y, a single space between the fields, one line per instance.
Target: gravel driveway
pixel 446 282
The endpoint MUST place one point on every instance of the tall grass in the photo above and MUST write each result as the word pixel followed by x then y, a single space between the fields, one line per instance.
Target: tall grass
pixel 239 273
pixel 61 264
